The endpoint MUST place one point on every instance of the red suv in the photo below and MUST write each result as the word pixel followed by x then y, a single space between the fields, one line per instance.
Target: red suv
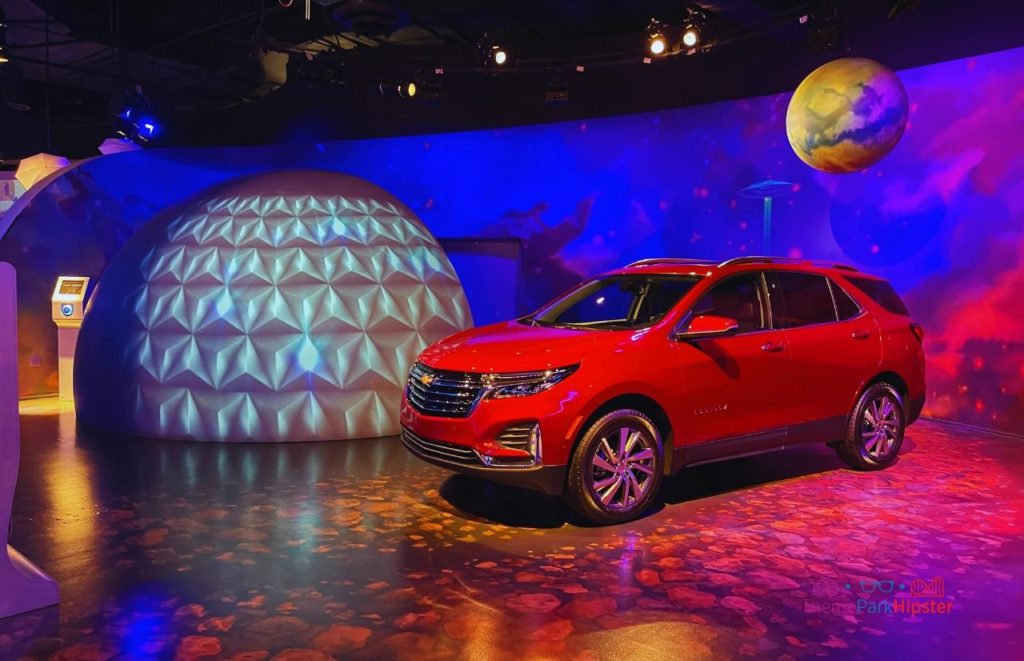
pixel 668 363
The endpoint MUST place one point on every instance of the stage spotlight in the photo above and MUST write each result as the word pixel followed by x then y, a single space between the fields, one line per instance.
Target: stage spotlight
pixel 410 88
pixel 498 55
pixel 691 36
pixel 135 117
pixel 146 128
pixel 657 45
pixel 407 89
pixel 3 37
pixel 694 28
pixel 492 54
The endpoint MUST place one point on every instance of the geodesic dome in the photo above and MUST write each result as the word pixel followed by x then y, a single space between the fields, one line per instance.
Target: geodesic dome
pixel 279 307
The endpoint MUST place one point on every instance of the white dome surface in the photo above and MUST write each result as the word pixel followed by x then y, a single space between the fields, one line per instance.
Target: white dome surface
pixel 282 307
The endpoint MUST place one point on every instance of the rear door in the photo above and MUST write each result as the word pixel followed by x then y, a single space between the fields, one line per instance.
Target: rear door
pixel 733 386
pixel 835 346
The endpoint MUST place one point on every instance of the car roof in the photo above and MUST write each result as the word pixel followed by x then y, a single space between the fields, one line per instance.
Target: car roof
pixel 705 267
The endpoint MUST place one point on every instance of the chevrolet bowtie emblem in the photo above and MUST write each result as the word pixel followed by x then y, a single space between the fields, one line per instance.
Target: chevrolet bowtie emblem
pixel 427 379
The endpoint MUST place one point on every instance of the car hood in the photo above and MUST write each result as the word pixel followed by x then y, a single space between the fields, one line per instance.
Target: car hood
pixel 516 347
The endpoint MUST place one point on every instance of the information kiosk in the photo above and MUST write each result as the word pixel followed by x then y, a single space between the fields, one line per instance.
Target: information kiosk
pixel 68 307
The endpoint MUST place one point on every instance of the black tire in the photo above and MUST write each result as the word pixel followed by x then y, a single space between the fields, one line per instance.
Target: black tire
pixel 869 446
pixel 620 504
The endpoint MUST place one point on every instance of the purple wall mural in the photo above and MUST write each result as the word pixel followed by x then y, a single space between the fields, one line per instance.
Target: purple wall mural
pixel 942 216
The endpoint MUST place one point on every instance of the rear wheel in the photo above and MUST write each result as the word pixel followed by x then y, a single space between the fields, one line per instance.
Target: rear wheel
pixel 616 470
pixel 875 431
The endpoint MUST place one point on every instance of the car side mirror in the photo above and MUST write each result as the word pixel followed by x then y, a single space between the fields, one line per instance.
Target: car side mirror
pixel 708 325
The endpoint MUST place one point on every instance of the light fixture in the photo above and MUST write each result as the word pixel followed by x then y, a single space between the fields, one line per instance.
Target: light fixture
pixel 558 88
pixel 691 36
pixel 492 54
pixel 3 37
pixel 135 118
pixel 694 28
pixel 146 128
pixel 657 45
pixel 407 89
pixel 499 55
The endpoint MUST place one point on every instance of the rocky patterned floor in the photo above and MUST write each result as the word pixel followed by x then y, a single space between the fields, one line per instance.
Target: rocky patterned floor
pixel 357 551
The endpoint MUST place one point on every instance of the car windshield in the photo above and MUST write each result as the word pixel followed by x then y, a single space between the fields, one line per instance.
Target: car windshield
pixel 616 302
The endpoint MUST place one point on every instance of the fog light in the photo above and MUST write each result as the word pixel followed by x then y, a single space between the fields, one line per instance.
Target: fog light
pixel 518 446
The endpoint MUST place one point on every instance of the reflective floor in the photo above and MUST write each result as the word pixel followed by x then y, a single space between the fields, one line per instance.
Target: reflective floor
pixel 357 550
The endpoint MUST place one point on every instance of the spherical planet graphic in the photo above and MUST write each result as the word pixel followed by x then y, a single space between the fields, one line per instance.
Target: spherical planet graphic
pixel 846 115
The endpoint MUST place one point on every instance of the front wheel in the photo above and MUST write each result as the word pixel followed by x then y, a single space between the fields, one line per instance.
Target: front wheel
pixel 616 469
pixel 875 431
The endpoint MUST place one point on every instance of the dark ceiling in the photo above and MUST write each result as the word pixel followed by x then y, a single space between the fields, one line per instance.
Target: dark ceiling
pixel 257 71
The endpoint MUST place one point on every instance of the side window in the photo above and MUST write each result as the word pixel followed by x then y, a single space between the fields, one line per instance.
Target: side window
pixel 661 296
pixel 881 292
pixel 739 298
pixel 806 300
pixel 845 306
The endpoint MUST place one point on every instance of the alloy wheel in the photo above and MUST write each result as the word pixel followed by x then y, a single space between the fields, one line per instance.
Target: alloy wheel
pixel 880 427
pixel 622 468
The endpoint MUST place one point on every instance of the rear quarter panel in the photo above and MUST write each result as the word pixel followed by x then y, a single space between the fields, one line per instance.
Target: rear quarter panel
pixel 902 352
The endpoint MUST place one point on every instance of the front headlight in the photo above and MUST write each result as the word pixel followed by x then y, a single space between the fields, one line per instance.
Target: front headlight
pixel 520 384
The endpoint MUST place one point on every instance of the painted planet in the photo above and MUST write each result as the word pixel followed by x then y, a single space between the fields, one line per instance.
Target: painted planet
pixel 846 115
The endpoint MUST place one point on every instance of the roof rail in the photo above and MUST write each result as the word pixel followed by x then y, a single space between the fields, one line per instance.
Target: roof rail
pixel 787 260
pixel 670 260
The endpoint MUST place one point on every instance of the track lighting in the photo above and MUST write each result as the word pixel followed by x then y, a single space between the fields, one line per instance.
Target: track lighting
pixel 419 87
pixel 492 53
pixel 135 117
pixel 691 36
pixel 657 44
pixel 405 89
pixel 694 33
pixel 3 37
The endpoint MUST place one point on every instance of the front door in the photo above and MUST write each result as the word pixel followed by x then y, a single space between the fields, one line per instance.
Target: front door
pixel 734 386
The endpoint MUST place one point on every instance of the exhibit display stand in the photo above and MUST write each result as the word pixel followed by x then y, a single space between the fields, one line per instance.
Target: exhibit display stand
pixel 23 586
pixel 68 308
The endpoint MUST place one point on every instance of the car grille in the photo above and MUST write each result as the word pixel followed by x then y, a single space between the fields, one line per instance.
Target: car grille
pixel 439 449
pixel 443 394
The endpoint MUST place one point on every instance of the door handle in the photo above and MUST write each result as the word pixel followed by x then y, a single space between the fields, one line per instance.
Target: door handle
pixel 771 347
pixel 860 334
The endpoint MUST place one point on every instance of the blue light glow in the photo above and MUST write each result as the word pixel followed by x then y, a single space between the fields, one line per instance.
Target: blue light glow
pixel 308 355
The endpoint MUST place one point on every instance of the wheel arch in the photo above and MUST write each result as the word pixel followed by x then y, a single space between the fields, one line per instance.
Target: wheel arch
pixel 885 376
pixel 640 402
pixel 893 379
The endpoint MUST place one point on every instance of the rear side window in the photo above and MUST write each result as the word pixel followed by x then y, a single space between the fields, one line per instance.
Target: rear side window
pixel 806 299
pixel 881 292
pixel 845 306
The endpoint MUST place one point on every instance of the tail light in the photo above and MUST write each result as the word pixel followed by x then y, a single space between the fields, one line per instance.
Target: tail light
pixel 918 331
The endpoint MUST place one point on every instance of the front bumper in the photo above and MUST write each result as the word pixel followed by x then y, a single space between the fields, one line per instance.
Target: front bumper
pixel 461 459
